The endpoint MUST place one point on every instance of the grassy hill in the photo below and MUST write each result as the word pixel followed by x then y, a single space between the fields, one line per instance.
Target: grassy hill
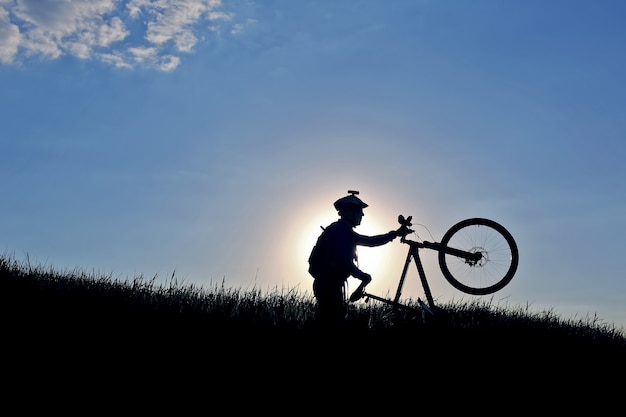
pixel 91 328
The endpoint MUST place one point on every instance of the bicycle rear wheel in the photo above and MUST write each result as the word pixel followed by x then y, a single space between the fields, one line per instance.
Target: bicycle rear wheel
pixel 499 260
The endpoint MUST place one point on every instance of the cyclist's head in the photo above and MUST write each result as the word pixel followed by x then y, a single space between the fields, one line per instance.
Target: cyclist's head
pixel 350 207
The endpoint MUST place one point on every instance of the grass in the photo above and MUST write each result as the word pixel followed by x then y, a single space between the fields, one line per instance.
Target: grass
pixel 96 325
pixel 32 290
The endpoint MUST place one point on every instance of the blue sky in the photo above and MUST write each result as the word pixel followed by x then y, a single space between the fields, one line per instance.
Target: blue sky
pixel 207 140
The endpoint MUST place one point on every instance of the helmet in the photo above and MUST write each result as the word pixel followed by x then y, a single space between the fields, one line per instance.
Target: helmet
pixel 350 201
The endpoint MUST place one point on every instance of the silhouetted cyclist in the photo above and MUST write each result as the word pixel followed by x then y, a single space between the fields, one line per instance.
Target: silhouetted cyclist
pixel 334 258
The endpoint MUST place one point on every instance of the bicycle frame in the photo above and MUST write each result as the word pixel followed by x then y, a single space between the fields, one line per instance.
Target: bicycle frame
pixel 413 254
pixel 488 264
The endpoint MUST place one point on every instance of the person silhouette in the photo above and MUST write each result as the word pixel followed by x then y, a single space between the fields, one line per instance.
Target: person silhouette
pixel 334 258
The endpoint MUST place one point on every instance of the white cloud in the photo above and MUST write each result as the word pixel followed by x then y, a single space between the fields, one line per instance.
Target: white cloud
pixel 113 32
pixel 9 37
pixel 168 62
pixel 116 60
pixel 141 53
pixel 121 33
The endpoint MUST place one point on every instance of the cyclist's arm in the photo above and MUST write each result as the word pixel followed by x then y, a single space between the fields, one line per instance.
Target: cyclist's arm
pixel 376 240
pixel 358 274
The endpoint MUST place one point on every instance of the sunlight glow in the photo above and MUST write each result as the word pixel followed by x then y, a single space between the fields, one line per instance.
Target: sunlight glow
pixel 377 261
pixel 373 260
pixel 383 263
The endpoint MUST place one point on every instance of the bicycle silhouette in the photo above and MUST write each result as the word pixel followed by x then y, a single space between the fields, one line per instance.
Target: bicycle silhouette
pixel 476 256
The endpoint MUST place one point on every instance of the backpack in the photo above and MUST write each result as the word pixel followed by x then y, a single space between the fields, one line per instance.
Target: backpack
pixel 318 259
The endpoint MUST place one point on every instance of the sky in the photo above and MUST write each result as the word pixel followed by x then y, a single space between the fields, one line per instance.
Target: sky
pixel 203 142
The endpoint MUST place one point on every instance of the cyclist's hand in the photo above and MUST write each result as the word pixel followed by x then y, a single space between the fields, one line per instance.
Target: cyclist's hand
pixel 357 294
pixel 360 291
pixel 402 231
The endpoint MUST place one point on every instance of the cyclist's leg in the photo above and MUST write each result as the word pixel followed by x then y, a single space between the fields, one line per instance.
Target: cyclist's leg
pixel 330 296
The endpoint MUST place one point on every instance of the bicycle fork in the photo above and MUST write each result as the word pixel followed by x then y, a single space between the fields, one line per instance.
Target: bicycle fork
pixel 413 253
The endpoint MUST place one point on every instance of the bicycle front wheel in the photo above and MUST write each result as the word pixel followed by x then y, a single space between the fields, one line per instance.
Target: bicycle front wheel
pixel 497 265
